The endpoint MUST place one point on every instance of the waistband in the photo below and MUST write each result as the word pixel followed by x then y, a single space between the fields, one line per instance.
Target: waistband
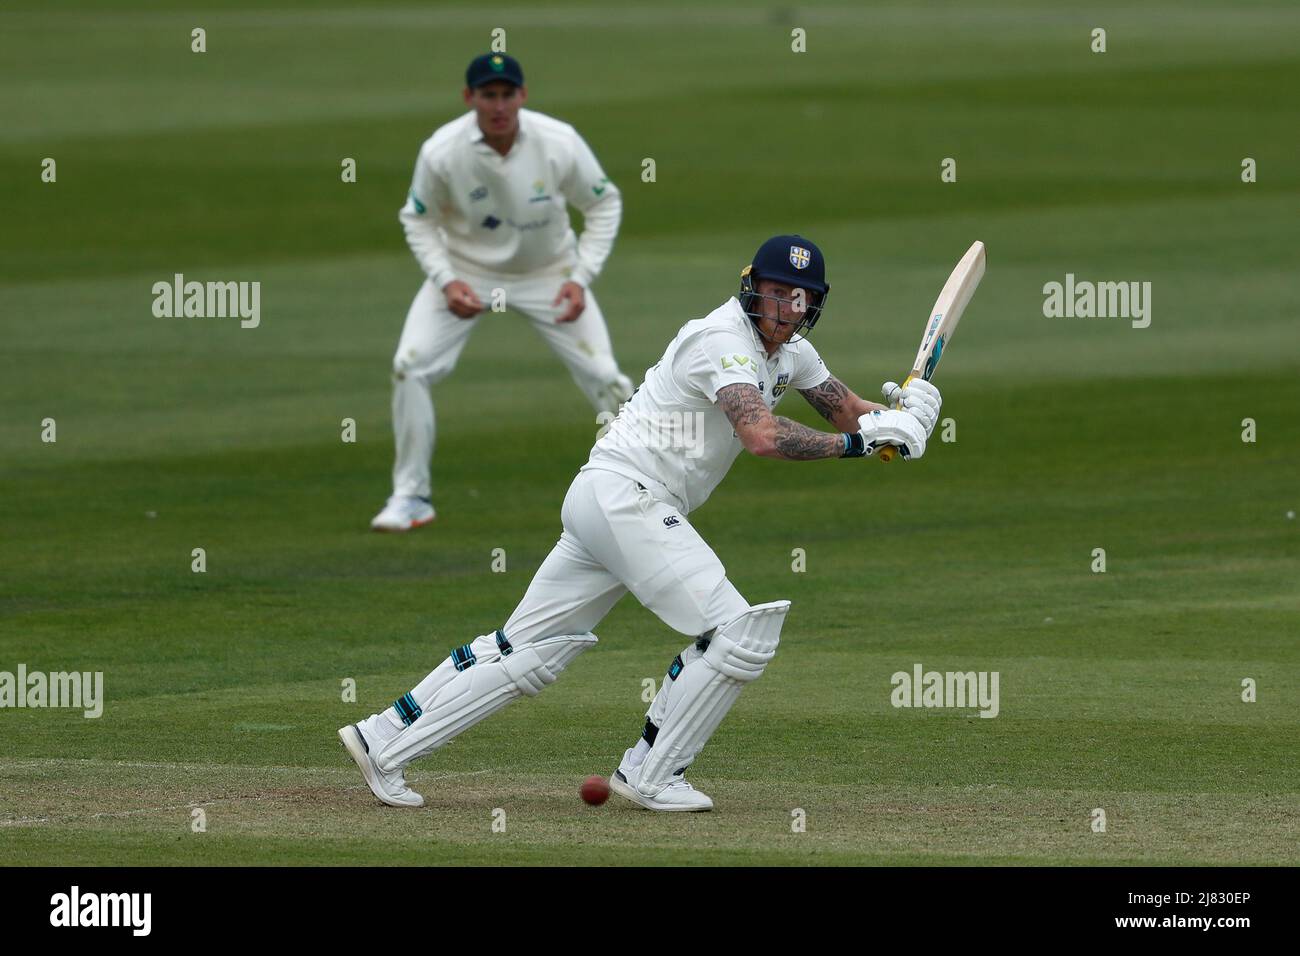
pixel 656 488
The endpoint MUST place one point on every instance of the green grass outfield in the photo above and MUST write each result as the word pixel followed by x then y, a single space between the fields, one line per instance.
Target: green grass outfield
pixel 1119 690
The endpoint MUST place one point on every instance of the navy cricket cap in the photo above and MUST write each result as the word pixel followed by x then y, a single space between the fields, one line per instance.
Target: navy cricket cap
pixel 792 259
pixel 493 66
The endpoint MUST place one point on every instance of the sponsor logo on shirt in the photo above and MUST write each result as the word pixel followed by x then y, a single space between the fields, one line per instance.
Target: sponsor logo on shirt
pixel 599 188
pixel 419 206
pixel 478 193
pixel 491 222
pixel 672 521
pixel 731 361
pixel 539 188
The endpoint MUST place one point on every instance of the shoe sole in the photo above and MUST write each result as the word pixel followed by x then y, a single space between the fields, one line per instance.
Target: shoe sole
pixel 350 737
pixel 410 527
pixel 631 793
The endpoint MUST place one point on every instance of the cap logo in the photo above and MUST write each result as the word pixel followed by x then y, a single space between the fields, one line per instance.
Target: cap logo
pixel 498 64
pixel 800 257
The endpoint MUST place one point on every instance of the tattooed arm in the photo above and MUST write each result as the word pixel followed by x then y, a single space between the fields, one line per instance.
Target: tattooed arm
pixel 771 436
pixel 836 403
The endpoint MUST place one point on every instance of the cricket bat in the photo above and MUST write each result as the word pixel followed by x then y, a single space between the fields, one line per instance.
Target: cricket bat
pixel 942 323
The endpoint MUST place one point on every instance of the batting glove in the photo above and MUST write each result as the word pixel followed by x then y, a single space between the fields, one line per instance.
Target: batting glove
pixel 891 427
pixel 919 398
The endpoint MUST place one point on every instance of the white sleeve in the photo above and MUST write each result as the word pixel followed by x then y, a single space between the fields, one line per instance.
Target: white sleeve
pixel 587 187
pixel 420 217
pixel 809 369
pixel 715 360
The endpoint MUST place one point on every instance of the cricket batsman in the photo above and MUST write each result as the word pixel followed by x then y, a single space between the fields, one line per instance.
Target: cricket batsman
pixel 626 527
pixel 487 213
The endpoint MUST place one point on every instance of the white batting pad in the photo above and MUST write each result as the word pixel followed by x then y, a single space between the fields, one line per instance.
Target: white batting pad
pixel 702 694
pixel 481 690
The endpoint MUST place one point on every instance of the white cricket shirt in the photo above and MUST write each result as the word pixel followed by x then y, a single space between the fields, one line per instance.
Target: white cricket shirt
pixel 472 209
pixel 671 436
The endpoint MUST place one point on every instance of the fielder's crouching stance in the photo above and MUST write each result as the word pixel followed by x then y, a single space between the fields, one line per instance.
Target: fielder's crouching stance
pixel 625 529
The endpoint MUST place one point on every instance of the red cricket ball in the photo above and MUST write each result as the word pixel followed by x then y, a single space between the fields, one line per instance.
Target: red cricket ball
pixel 595 790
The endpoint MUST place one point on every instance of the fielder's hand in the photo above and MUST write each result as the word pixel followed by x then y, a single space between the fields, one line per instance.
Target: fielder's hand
pixel 919 398
pixel 892 427
pixel 461 299
pixel 575 297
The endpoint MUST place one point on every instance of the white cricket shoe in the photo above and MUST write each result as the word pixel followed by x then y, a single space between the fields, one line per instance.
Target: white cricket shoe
pixel 390 788
pixel 678 796
pixel 403 513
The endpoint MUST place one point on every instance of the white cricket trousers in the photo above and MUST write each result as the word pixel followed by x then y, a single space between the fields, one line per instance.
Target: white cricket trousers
pixel 617 538
pixel 433 338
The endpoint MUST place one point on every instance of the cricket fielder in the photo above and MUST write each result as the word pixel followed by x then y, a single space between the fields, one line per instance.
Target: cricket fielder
pixel 626 528
pixel 487 211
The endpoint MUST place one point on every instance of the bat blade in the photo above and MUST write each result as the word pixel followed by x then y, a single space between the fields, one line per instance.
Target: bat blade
pixel 939 327
pixel 948 308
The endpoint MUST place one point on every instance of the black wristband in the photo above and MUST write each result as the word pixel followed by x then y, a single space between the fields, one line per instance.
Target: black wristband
pixel 854 445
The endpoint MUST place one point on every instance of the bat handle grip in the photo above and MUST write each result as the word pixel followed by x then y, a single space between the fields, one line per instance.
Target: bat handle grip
pixel 887 453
